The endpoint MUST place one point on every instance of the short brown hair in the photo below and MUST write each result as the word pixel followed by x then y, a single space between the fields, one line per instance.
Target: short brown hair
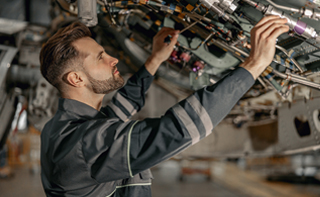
pixel 58 54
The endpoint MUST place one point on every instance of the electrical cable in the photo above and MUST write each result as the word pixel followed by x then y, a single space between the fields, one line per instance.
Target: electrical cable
pixel 107 6
pixel 291 59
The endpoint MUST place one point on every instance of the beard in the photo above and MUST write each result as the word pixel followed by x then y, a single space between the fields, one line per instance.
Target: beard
pixel 105 86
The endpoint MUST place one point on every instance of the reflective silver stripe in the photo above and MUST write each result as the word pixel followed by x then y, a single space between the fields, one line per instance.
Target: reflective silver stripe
pixel 126 104
pixel 202 113
pixel 129 185
pixel 188 123
pixel 128 150
pixel 118 112
pixel 133 184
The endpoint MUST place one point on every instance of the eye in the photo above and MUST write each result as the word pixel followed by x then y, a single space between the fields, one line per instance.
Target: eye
pixel 100 57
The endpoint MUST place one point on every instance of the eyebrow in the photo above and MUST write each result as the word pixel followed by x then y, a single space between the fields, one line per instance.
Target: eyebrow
pixel 99 54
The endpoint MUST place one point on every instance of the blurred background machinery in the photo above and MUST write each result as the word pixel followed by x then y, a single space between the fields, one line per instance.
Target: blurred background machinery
pixel 277 117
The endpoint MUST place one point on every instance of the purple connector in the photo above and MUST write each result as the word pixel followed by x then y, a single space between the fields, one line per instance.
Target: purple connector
pixel 300 27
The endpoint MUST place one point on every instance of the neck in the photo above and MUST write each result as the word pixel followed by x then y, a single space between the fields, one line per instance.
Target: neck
pixel 91 99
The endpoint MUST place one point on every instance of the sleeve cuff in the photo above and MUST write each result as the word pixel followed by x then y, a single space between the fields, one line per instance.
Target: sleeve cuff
pixel 246 75
pixel 143 72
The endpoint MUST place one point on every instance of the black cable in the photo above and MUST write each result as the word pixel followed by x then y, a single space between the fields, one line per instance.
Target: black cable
pixel 106 4
pixel 112 6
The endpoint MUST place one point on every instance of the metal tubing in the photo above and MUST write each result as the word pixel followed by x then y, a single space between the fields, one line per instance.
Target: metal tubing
pixel 292 59
pixel 189 26
pixel 283 7
pixel 296 79
pixel 201 43
pixel 290 76
pixel 233 50
pixel 256 5
pixel 252 3
pixel 301 28
pixel 196 16
pixel 262 83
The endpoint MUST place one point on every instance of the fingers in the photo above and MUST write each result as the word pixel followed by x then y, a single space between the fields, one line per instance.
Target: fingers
pixel 267 32
pixel 266 19
pixel 165 31
pixel 174 39
pixel 267 24
pixel 278 31
pixel 162 37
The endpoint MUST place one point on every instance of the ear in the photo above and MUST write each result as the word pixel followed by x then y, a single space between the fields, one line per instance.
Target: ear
pixel 75 79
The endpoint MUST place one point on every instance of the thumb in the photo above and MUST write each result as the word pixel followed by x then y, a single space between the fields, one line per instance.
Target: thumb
pixel 174 39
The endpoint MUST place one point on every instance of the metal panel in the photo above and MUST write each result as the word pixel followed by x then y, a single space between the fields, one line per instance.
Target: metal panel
pixel 6 60
pixel 7 108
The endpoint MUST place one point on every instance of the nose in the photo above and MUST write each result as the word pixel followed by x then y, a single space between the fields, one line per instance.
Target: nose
pixel 114 62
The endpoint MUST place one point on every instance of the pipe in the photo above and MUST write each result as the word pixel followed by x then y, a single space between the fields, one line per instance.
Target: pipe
pixel 290 76
pixel 283 7
pixel 256 5
pixel 300 27
pixel 296 79
pixel 292 59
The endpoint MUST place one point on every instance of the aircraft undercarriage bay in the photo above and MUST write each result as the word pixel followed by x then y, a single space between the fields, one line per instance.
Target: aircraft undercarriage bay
pixel 280 114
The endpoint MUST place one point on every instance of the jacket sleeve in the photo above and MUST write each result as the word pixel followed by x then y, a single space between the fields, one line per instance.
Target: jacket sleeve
pixel 154 140
pixel 131 97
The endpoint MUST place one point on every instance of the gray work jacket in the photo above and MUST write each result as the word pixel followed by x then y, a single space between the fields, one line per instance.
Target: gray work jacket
pixel 85 152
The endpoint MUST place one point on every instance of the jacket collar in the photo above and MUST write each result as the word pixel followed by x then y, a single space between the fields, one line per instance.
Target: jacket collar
pixel 79 108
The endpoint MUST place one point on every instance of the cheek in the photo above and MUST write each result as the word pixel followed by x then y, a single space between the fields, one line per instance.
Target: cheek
pixel 103 74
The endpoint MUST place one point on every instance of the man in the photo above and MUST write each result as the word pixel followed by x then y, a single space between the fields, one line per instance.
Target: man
pixel 89 150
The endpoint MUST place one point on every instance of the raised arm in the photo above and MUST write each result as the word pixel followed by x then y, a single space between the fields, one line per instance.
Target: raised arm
pixel 155 140
pixel 146 143
pixel 131 98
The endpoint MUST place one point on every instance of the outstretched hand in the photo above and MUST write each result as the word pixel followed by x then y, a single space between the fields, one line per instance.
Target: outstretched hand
pixel 263 41
pixel 161 50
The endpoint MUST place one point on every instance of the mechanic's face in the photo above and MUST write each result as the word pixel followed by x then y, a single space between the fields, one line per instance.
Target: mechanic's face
pixel 99 67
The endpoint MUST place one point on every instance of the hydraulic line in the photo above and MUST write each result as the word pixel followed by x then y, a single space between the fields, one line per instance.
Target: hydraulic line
pixel 295 78
pixel 283 7
pixel 201 43
pixel 238 52
pixel 191 25
pixel 292 59
pixel 241 55
pixel 258 6
pixel 220 12
pixel 196 8
pixel 196 16
pixel 170 9
pixel 304 12
pixel 269 76
pixel 299 27
pixel 186 28
pixel 284 63
pixel 289 76
pixel 262 83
